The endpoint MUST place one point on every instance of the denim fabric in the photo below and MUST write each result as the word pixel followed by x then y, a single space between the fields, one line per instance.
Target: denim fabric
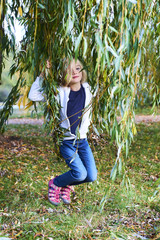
pixel 80 159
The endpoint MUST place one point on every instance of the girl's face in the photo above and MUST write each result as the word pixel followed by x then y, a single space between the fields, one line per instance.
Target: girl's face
pixel 74 73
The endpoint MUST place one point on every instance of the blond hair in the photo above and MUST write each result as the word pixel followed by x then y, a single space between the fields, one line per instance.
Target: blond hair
pixel 66 64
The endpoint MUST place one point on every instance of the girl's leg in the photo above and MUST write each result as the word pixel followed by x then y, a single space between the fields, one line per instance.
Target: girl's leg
pixel 78 171
pixel 87 158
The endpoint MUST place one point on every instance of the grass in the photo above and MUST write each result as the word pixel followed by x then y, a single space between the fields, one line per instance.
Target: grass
pixel 146 110
pixel 100 210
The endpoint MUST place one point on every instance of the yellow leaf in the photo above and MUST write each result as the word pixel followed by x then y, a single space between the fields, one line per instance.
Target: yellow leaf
pixel 20 11
pixel 25 94
pixel 19 170
pixel 134 130
pixel 19 234
pixel 19 102
pixel 24 100
pixel 28 105
pixel 31 12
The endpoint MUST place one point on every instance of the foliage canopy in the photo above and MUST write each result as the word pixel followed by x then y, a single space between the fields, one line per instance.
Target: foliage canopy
pixel 118 42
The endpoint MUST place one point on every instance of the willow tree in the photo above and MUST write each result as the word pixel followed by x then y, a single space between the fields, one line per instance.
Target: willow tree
pixel 5 43
pixel 112 38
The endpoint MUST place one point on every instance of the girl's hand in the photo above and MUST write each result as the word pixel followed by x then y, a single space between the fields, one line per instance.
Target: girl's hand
pixel 48 65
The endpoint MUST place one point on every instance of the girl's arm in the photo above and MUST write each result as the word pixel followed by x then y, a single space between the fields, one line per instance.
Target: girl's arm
pixel 35 93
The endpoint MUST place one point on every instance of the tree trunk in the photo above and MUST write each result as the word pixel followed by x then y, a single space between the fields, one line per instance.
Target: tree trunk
pixel 1 36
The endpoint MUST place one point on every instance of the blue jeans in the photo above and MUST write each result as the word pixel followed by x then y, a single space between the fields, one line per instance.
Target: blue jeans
pixel 80 159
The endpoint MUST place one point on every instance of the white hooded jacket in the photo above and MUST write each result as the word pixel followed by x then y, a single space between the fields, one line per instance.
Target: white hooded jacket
pixel 36 95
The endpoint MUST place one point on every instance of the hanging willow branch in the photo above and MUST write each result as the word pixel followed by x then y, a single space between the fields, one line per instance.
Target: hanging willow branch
pixel 114 38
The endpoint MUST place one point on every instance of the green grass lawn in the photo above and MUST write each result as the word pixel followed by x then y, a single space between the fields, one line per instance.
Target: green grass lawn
pixel 145 110
pixel 99 210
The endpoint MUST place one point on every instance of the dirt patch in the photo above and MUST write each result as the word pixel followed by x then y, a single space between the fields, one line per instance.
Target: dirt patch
pixel 138 118
pixel 147 118
pixel 25 121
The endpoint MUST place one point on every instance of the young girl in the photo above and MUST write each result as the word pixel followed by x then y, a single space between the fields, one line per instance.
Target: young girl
pixel 75 98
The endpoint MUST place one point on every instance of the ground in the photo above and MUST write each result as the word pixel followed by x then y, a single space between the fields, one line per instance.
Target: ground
pixel 139 118
pixel 126 209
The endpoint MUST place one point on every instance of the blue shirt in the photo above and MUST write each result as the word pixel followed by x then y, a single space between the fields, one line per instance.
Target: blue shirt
pixel 75 107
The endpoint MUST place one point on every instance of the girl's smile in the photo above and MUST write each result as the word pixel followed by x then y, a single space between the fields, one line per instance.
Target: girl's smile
pixel 75 76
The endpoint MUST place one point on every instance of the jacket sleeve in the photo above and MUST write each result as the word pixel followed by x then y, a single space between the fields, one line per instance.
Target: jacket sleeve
pixel 35 93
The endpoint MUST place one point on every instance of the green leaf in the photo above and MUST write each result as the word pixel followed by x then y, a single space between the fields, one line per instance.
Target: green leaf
pixel 138 59
pixel 107 58
pixel 41 6
pixel 112 45
pixel 114 90
pixel 113 29
pixel 108 48
pixel 105 3
pixel 128 41
pixel 85 46
pixel 141 34
pixel 136 21
pixel 128 24
pixel 117 63
pixel 120 166
pixel 103 62
pixel 78 41
pixel 95 130
pixel 123 74
pixel 135 46
pixel 133 1
pixel 99 41
pixel 127 147
pixel 114 172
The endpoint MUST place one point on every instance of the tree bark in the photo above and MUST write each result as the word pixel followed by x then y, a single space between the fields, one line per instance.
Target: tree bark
pixel 1 37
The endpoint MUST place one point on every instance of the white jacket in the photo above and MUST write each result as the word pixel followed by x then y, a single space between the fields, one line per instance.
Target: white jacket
pixel 36 95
